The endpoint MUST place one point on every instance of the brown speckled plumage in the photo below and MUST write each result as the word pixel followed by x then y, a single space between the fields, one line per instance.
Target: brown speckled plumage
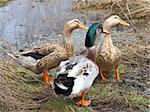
pixel 51 54
pixel 107 55
pixel 52 60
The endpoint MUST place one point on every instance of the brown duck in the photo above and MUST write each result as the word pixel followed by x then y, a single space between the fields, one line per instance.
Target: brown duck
pixel 107 55
pixel 46 57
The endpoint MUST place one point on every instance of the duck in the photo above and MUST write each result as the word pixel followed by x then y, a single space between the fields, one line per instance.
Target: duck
pixel 90 48
pixel 46 57
pixel 75 77
pixel 77 74
pixel 107 55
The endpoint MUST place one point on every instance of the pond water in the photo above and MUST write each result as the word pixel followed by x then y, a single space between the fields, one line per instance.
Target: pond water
pixel 27 23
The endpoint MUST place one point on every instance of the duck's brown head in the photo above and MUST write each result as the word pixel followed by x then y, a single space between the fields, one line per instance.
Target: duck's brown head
pixel 74 24
pixel 113 21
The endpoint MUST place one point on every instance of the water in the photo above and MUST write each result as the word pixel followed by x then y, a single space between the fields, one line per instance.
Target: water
pixel 28 23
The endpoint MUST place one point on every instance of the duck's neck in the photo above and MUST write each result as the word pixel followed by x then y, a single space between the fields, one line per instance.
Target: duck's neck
pixel 107 27
pixel 107 36
pixel 68 41
pixel 90 37
pixel 108 40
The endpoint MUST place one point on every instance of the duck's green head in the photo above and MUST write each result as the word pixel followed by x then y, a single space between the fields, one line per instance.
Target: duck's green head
pixel 91 34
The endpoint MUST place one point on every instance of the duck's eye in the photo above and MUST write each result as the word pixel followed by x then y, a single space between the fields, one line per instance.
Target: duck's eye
pixel 115 17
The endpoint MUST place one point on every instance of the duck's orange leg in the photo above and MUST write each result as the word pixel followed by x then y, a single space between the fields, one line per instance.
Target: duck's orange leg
pixel 48 80
pixel 117 74
pixel 46 77
pixel 101 73
pixel 83 102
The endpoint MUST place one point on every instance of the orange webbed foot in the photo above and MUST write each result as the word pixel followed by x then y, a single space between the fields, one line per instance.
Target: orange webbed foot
pixel 101 73
pixel 50 81
pixel 103 78
pixel 83 103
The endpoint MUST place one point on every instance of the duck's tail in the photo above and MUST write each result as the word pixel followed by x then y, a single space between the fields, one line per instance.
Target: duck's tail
pixel 25 61
pixel 13 55
pixel 63 84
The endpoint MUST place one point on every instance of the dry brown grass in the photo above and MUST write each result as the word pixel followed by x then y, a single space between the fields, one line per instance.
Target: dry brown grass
pixel 137 54
pixel 124 8
pixel 106 96
pixel 3 1
pixel 131 93
pixel 137 58
pixel 11 98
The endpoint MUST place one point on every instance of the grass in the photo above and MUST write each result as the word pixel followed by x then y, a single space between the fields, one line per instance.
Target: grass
pixel 128 94
pixel 108 95
pixel 3 1
pixel 112 95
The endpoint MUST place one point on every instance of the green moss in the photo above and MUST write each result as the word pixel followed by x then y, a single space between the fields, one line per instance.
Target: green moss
pixel 80 109
pixel 31 89
pixel 137 99
pixel 55 104
pixel 33 83
pixel 123 70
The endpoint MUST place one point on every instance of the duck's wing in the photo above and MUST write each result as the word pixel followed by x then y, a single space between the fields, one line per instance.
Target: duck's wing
pixel 85 80
pixel 75 75
pixel 41 51
pixel 40 58
pixel 52 60
pixel 73 66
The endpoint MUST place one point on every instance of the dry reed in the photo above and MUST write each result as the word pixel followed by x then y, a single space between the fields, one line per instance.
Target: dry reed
pixel 11 98
pixel 124 8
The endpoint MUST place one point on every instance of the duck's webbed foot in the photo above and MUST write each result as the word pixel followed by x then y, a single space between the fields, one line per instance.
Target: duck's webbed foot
pixel 83 102
pixel 101 73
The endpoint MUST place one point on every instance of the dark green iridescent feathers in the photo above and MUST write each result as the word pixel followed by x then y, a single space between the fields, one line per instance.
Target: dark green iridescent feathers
pixel 91 34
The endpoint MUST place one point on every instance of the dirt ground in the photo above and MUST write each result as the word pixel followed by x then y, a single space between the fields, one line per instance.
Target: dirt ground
pixel 23 91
